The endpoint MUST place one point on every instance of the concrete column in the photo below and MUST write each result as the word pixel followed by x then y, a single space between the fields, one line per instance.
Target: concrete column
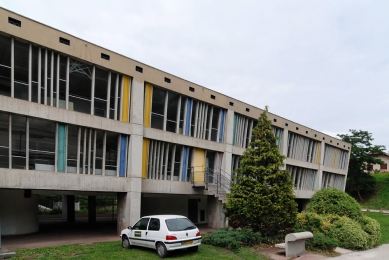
pixel 137 101
pixel 216 217
pixel 64 207
pixel 229 131
pixel 71 213
pixel 92 209
pixel 128 209
pixel 284 144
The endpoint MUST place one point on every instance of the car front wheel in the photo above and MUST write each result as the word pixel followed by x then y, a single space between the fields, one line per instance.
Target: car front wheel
pixel 126 242
pixel 161 250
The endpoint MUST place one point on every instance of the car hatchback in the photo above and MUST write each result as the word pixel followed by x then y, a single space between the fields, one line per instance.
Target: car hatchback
pixel 163 233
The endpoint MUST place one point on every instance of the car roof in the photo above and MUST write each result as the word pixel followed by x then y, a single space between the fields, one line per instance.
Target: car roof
pixel 164 216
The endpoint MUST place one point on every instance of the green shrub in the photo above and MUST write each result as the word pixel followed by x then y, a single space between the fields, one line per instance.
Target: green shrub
pixel 232 239
pixel 333 201
pixel 372 228
pixel 349 233
pixel 320 241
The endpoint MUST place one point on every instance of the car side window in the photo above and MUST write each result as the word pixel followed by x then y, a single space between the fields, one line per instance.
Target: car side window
pixel 141 224
pixel 154 224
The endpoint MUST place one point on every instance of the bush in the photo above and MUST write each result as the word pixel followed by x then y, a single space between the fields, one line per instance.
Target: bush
pixel 333 201
pixel 320 241
pixel 349 233
pixel 372 228
pixel 232 239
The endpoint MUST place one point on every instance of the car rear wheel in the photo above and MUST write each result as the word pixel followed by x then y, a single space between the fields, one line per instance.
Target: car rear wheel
pixel 126 242
pixel 161 250
pixel 193 249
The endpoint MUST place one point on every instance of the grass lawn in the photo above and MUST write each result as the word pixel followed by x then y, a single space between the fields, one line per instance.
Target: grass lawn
pixel 380 199
pixel 384 222
pixel 113 250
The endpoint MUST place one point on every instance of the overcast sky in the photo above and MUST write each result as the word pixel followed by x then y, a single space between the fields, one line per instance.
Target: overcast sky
pixel 323 64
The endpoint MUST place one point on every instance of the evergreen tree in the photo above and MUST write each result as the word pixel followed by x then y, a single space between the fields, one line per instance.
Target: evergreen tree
pixel 262 197
pixel 363 152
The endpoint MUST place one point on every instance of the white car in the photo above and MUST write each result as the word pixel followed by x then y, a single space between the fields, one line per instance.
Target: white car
pixel 163 233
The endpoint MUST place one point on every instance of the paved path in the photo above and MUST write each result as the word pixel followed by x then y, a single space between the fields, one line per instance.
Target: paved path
pixel 376 210
pixel 381 252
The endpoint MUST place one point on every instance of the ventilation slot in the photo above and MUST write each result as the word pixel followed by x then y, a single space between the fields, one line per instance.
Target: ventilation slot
pixel 286 124
pixel 14 22
pixel 247 109
pixel 104 56
pixel 139 69
pixel 191 89
pixel 167 80
pixel 213 97
pixel 232 104
pixel 297 128
pixel 64 41
pixel 306 132
pixel 274 120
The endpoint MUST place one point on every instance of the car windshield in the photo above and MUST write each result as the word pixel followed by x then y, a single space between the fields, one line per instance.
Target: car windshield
pixel 179 224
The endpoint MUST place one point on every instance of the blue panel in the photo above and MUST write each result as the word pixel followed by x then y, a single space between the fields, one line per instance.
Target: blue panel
pixel 61 148
pixel 184 164
pixel 123 149
pixel 221 126
pixel 188 115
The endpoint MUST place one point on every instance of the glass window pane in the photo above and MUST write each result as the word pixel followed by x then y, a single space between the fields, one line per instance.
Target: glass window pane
pixel 34 74
pixel 72 148
pixel 80 85
pixel 4 140
pixel 18 142
pixel 111 154
pixel 99 152
pixel 5 65
pixel 41 144
pixel 101 81
pixel 157 108
pixel 21 52
pixel 172 112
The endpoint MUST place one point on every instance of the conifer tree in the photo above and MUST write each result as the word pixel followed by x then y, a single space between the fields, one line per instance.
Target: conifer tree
pixel 261 196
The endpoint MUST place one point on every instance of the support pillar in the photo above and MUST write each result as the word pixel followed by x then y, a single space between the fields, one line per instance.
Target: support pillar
pixel 71 213
pixel 216 217
pixel 128 209
pixel 92 209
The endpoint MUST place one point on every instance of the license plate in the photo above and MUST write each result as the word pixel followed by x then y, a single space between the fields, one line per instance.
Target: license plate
pixel 187 242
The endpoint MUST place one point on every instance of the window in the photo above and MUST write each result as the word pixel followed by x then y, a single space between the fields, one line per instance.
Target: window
pixel 15 22
pixel 111 154
pixel 72 148
pixel 18 142
pixel 21 53
pixel 5 65
pixel 154 224
pixel 141 224
pixel 172 107
pixel 4 141
pixel 80 86
pixel 64 41
pixel 101 83
pixel 158 108
pixel 384 166
pixel 369 167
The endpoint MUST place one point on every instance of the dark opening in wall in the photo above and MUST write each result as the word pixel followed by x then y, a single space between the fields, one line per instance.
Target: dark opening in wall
pixel 64 41
pixel 247 109
pixel 330 141
pixel 167 80
pixel 275 120
pixel 213 97
pixel 104 56
pixel 324 138
pixel 14 22
pixel 306 132
pixel 191 89
pixel 232 104
pixel 297 128
pixel 337 143
pixel 139 69
pixel 315 135
pixel 286 124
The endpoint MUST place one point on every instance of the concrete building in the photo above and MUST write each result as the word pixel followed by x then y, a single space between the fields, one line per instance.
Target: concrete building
pixel 78 119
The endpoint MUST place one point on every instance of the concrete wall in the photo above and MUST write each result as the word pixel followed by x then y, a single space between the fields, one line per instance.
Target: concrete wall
pixel 19 215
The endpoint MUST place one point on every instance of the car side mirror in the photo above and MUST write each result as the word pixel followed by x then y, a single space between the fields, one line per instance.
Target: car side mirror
pixel 129 227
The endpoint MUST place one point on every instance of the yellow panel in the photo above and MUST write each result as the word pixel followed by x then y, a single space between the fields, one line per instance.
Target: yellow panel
pixel 198 165
pixel 125 98
pixel 147 111
pixel 318 153
pixel 145 152
pixel 335 154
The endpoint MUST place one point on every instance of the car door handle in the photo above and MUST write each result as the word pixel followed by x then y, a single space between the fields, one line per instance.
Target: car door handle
pixel 146 233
